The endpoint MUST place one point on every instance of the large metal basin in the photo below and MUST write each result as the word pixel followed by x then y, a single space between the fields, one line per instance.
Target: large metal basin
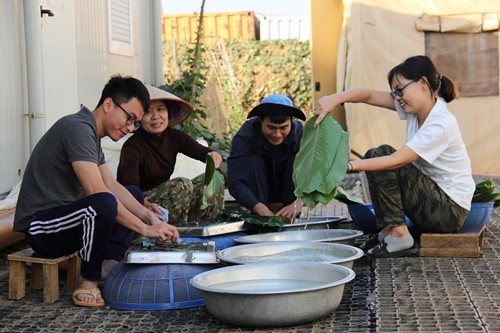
pixel 273 294
pixel 343 236
pixel 298 251
pixel 314 222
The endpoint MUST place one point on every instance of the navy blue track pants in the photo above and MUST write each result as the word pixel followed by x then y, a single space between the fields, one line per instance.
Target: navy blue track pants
pixel 87 226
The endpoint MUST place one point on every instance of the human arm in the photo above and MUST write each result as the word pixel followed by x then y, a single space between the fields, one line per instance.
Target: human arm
pixel 399 158
pixel 131 214
pixel 242 164
pixel 355 95
pixel 128 171
pixel 192 148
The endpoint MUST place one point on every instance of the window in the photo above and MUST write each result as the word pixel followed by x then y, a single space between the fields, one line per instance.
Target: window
pixel 465 48
pixel 120 27
pixel 469 59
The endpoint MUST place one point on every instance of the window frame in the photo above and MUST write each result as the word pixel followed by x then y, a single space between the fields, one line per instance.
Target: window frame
pixel 120 34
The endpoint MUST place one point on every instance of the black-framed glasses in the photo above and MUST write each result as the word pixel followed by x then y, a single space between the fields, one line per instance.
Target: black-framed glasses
pixel 398 92
pixel 131 121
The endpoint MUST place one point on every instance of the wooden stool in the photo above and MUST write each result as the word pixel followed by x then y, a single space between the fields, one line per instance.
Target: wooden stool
pixel 466 243
pixel 44 274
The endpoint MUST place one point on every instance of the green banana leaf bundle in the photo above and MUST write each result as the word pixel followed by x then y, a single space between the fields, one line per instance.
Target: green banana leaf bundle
pixel 347 198
pixel 213 182
pixel 263 221
pixel 487 192
pixel 321 163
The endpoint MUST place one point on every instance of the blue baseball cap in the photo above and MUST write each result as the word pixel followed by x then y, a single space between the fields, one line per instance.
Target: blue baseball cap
pixel 277 105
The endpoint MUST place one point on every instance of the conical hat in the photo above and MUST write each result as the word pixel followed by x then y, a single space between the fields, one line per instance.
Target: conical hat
pixel 178 109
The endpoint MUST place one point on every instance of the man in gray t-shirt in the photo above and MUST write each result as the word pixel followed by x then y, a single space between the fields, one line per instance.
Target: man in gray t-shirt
pixel 69 200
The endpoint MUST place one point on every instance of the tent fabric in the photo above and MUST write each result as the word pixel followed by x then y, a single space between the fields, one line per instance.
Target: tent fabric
pixel 465 23
pixel 376 36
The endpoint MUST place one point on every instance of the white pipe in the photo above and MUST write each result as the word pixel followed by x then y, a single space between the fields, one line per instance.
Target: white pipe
pixel 157 13
pixel 33 40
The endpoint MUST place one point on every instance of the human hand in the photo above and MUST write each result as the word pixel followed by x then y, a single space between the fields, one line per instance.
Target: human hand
pixel 262 210
pixel 291 211
pixel 323 106
pixel 155 208
pixel 158 211
pixel 164 232
pixel 216 157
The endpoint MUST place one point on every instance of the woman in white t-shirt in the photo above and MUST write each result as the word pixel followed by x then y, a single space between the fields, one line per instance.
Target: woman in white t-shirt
pixel 429 178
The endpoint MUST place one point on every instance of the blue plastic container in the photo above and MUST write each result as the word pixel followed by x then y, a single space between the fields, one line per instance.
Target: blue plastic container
pixel 154 286
pixel 364 217
pixel 221 241
pixel 479 214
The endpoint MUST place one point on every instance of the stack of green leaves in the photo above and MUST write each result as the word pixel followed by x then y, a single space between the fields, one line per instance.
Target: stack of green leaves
pixel 487 192
pixel 213 182
pixel 321 163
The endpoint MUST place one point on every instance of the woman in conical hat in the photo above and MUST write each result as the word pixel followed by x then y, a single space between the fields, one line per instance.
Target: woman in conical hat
pixel 148 160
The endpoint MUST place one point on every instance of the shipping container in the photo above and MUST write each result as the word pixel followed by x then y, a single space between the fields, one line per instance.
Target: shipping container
pixel 235 26
pixel 284 27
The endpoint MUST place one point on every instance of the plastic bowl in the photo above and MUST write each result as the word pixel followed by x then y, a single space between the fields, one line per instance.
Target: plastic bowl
pixel 364 217
pixel 479 214
pixel 153 287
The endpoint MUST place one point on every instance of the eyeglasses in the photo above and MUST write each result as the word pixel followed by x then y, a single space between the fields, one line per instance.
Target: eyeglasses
pixel 398 92
pixel 131 121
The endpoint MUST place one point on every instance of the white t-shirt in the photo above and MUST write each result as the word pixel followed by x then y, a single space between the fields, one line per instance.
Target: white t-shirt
pixel 442 153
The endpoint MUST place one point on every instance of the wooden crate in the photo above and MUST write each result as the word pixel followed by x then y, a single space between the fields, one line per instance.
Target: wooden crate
pixel 466 243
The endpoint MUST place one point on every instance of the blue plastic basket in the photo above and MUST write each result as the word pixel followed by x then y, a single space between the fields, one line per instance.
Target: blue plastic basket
pixel 153 287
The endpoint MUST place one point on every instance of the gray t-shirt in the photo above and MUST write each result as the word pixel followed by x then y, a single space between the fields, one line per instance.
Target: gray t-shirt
pixel 49 180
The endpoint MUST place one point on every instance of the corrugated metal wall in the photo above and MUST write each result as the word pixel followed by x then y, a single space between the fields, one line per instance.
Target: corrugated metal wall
pixel 94 61
pixel 237 25
pixel 94 65
pixel 14 143
pixel 285 27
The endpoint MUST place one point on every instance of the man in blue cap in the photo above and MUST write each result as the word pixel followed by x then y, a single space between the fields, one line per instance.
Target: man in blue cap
pixel 260 162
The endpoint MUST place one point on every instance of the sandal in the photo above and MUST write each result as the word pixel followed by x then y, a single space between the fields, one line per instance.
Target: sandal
pixel 370 242
pixel 380 251
pixel 94 292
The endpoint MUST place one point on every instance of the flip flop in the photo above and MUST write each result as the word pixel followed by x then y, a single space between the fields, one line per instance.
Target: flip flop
pixel 92 292
pixel 380 251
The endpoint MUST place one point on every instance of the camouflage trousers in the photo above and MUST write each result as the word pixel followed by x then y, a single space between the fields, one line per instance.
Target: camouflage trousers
pixel 183 198
pixel 407 190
